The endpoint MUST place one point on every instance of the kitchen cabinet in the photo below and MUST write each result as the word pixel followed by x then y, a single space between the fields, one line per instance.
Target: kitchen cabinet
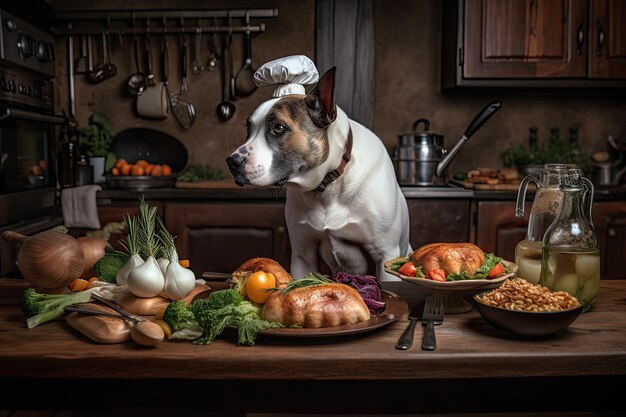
pixel 496 229
pixel 220 236
pixel 536 43
pixel 438 220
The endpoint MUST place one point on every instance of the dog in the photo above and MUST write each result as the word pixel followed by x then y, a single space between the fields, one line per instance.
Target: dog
pixel 343 200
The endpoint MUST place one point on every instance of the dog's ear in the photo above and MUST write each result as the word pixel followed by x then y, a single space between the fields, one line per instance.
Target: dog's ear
pixel 321 101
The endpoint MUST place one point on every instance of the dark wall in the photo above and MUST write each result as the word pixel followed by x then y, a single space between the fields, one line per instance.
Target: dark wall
pixel 408 41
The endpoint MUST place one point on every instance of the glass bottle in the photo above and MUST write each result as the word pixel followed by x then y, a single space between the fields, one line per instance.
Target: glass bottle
pixel 84 171
pixel 570 252
pixel 68 155
pixel 545 208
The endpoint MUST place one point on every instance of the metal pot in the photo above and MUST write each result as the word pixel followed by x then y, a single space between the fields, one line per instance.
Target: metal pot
pixel 418 155
pixel 421 158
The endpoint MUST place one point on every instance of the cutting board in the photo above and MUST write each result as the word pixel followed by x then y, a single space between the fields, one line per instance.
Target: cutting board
pixel 100 329
pixel 207 184
pixel 489 187
pixel 150 306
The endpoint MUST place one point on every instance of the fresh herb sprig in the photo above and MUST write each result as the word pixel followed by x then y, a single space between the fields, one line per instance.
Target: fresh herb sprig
pixel 150 245
pixel 131 243
pixel 310 280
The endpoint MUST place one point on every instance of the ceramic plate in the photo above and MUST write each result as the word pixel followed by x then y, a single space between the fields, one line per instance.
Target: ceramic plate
pixel 469 284
pixel 396 308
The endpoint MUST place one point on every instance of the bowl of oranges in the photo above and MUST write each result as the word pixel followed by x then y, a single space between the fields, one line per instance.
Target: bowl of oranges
pixel 139 174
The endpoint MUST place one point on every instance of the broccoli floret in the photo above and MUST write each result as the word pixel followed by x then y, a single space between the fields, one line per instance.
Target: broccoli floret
pixel 40 308
pixel 178 316
pixel 221 309
pixel 222 298
pixel 106 267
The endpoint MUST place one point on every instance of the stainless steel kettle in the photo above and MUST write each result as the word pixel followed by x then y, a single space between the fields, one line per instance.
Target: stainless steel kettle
pixel 421 158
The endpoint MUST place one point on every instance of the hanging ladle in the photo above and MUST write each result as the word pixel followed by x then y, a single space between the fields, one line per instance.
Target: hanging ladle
pixel 244 82
pixel 137 82
pixel 226 109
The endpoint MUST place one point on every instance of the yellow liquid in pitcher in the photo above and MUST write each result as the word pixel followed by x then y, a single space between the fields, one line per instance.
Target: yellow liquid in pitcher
pixel 577 273
pixel 528 260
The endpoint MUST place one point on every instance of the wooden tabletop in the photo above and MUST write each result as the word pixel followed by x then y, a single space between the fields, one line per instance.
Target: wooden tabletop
pixel 366 370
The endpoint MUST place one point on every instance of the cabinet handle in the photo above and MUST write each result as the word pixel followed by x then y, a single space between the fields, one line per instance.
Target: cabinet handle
pixel 611 232
pixel 580 37
pixel 600 43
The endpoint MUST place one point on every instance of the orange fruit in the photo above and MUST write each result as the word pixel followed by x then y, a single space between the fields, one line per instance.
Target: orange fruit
pixel 137 170
pixel 167 171
pixel 157 170
pixel 141 163
pixel 184 263
pixel 115 171
pixel 148 168
pixel 125 169
pixel 120 162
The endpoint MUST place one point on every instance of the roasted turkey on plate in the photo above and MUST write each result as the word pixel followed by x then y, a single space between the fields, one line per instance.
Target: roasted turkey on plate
pixel 325 305
pixel 451 257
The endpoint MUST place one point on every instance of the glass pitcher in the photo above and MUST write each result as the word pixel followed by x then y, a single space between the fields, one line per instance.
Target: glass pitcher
pixel 570 252
pixel 544 211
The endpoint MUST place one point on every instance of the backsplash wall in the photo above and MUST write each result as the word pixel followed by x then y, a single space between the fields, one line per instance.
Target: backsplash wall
pixel 408 41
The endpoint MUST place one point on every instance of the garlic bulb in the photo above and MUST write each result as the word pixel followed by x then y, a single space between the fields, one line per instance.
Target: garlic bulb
pixel 179 281
pixel 122 275
pixel 146 280
pixel 163 263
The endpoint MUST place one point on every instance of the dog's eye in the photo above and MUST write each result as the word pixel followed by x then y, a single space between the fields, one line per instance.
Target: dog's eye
pixel 278 129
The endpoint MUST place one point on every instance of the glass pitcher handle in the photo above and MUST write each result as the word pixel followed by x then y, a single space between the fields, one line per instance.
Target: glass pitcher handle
pixel 521 193
pixel 588 198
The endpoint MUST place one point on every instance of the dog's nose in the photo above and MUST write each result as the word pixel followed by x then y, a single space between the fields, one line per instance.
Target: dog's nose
pixel 235 164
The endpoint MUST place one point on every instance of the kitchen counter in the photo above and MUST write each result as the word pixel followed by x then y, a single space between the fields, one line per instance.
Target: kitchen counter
pixel 475 368
pixel 270 193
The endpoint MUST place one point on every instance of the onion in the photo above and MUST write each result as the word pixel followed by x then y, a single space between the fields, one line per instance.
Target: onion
pixel 94 249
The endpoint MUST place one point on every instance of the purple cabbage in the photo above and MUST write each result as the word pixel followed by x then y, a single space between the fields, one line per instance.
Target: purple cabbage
pixel 367 286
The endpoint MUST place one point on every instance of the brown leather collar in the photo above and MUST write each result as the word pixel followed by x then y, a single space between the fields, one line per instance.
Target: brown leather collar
pixel 336 173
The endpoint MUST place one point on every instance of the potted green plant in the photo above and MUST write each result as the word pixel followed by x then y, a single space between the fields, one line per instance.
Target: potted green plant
pixel 96 138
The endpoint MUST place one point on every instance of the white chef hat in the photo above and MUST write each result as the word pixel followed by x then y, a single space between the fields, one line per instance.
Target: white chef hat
pixel 290 74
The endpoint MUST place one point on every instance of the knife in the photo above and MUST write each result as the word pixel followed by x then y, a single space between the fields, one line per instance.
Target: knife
pixel 433 314
pixel 406 339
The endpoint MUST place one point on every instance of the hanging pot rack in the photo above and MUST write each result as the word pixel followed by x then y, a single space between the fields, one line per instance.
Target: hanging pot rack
pixel 157 22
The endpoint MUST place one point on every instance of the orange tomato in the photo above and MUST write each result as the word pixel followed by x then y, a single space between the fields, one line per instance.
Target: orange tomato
pixel 141 163
pixel 115 171
pixel 148 168
pixel 79 285
pixel 120 162
pixel 137 170
pixel 258 286
pixel 167 170
pixel 157 171
pixel 125 169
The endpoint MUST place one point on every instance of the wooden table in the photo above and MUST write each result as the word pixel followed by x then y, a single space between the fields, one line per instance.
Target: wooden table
pixel 475 368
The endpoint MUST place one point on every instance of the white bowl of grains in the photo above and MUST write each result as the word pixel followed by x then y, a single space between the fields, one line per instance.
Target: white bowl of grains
pixel 524 309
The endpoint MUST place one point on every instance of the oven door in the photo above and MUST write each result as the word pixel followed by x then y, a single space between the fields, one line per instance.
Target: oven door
pixel 26 149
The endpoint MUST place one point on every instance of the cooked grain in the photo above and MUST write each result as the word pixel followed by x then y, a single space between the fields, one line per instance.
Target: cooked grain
pixel 519 294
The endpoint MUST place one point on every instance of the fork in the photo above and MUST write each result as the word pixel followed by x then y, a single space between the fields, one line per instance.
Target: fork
pixel 433 313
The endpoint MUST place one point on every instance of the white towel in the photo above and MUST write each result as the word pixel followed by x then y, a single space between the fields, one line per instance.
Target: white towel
pixel 79 207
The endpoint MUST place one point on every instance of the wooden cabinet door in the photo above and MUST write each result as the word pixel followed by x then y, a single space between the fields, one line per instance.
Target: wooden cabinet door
pixel 219 237
pixel 525 39
pixel 434 220
pixel 607 54
pixel 497 229
pixel 609 220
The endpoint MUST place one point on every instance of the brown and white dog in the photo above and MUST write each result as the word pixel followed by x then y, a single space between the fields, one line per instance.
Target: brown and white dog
pixel 342 195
